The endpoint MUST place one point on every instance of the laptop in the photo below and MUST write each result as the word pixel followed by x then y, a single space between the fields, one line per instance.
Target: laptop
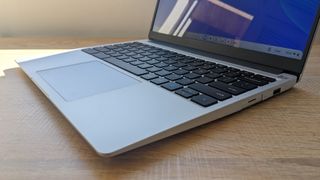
pixel 203 60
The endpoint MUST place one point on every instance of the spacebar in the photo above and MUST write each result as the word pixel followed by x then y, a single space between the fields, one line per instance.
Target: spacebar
pixel 126 66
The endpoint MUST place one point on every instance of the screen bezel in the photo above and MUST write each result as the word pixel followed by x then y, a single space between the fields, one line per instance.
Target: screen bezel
pixel 290 65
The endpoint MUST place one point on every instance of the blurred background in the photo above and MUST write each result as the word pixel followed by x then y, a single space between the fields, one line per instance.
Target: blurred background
pixel 76 18
pixel 85 18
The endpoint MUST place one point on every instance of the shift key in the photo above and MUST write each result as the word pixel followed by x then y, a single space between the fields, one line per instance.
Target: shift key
pixel 213 92
pixel 126 66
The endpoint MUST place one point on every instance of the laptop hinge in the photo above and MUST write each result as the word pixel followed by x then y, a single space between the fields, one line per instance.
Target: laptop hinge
pixel 223 58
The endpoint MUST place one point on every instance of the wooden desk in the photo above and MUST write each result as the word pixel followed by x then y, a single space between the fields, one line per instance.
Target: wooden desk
pixel 277 139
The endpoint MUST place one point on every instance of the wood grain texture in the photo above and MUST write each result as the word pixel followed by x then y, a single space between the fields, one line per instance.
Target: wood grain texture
pixel 277 139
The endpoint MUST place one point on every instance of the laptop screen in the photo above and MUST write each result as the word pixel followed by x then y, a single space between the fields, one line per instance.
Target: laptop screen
pixel 278 27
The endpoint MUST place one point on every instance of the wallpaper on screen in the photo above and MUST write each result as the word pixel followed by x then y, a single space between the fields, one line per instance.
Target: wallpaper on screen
pixel 283 23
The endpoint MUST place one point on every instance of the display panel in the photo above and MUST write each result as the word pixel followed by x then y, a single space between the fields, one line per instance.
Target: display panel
pixel 277 27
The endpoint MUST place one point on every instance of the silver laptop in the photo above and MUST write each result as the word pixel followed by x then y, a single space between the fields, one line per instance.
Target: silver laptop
pixel 203 60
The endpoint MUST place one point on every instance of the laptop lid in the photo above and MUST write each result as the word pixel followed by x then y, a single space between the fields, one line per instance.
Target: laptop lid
pixel 275 33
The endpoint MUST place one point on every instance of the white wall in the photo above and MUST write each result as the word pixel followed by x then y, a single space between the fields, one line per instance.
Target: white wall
pixel 108 18
pixel 111 18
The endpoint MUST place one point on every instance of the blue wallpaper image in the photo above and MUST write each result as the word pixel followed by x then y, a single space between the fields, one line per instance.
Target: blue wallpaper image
pixel 282 23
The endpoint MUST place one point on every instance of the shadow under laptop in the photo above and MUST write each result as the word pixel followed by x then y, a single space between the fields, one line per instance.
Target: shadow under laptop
pixel 60 146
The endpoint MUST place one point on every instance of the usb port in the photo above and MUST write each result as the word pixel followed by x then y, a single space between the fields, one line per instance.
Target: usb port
pixel 276 91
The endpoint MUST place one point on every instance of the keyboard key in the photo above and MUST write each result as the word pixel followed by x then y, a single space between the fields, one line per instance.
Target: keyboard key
pixel 201 71
pixel 257 82
pixel 187 92
pixel 109 52
pixel 232 74
pixel 153 69
pixel 161 65
pixel 189 68
pixel 129 60
pixel 122 57
pixel 187 60
pixel 264 78
pixel 162 59
pixel 227 88
pixel 177 56
pixel 170 61
pixel 179 65
pixel 130 54
pixel 145 66
pixel 226 79
pixel 118 49
pixel 146 53
pixel 170 68
pixel 245 85
pixel 90 51
pixel 171 86
pixel 196 63
pixel 153 61
pixel 246 73
pixel 213 75
pixel 137 56
pixel 115 54
pixel 173 77
pixel 204 80
pixel 153 56
pixel 144 59
pixel 218 70
pixel 207 67
pixel 185 81
pixel 149 76
pixel 136 63
pixel 213 92
pixel 108 47
pixel 204 100
pixel 126 66
pixel 139 52
pixel 159 81
pixel 101 49
pixel 163 73
pixel 153 50
pixel 101 55
pixel 161 53
pixel 181 72
pixel 169 55
pixel 192 76
pixel 191 91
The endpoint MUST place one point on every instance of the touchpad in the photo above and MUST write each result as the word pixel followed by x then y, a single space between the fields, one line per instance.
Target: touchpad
pixel 85 79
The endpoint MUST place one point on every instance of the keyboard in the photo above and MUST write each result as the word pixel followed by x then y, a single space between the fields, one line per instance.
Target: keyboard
pixel 202 82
